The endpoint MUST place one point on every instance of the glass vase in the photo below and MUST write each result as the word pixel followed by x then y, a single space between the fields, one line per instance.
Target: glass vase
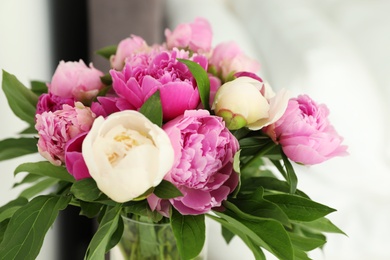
pixel 147 241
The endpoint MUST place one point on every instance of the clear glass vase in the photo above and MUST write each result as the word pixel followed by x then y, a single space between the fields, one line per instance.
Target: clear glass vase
pixel 147 241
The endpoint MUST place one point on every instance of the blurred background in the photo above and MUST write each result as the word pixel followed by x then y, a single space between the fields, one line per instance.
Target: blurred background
pixel 337 51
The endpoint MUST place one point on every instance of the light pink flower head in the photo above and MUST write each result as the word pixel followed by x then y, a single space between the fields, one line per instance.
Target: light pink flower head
pixel 305 133
pixel 126 48
pixel 227 58
pixel 203 167
pixel 146 73
pixel 76 80
pixel 196 36
pixel 55 129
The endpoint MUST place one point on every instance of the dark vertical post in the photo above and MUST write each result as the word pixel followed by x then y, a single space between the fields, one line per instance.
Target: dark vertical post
pixel 69 30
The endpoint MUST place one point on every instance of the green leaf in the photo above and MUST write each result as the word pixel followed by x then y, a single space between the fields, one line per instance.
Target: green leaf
pixel 11 207
pixel 3 228
pixel 116 237
pixel 107 227
pixel 27 228
pixel 305 243
pixel 227 234
pixel 266 233
pixel 299 208
pixel 29 178
pixel 21 100
pixel 322 225
pixel 12 147
pixel 256 206
pixel 291 176
pixel 269 183
pixel 86 190
pixel 45 168
pixel 300 254
pixel 38 187
pixel 107 80
pixel 29 130
pixel 106 52
pixel 202 81
pixel 236 168
pixel 166 190
pixel 90 210
pixel 152 109
pixel 38 87
pixel 189 231
pixel 234 229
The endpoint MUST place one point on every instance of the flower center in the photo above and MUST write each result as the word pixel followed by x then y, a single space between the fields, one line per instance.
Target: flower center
pixel 119 141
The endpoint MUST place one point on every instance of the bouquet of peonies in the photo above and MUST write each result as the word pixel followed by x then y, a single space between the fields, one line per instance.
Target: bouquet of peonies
pixel 172 133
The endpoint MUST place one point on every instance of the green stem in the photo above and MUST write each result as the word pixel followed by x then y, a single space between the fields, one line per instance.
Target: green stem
pixel 268 147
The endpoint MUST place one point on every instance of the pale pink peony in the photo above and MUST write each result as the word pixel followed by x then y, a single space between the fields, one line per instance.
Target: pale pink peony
pixel 196 36
pixel 203 167
pixel 55 129
pixel 146 73
pixel 227 58
pixel 126 48
pixel 305 133
pixel 76 80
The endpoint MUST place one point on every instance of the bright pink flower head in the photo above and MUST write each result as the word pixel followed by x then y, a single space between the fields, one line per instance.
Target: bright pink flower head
pixel 49 102
pixel 203 167
pixel 227 58
pixel 55 129
pixel 76 80
pixel 74 160
pixel 306 134
pixel 126 48
pixel 146 73
pixel 197 36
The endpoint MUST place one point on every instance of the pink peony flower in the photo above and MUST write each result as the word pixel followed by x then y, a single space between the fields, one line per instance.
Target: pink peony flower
pixel 227 58
pixel 305 132
pixel 49 102
pixel 76 80
pixel 203 167
pixel 55 129
pixel 125 49
pixel 74 160
pixel 197 36
pixel 146 73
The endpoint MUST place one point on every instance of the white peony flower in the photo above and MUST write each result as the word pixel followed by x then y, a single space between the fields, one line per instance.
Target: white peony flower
pixel 248 102
pixel 126 154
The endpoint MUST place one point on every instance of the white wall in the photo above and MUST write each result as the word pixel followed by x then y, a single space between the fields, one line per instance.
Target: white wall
pixel 24 52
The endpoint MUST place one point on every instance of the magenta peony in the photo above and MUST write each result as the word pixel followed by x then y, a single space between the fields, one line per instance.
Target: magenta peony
pixel 203 167
pixel 196 36
pixel 74 160
pixel 49 102
pixel 305 133
pixel 55 129
pixel 146 73
pixel 76 80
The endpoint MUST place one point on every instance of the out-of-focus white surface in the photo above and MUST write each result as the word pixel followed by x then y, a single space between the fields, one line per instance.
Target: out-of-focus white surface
pixel 24 52
pixel 337 51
